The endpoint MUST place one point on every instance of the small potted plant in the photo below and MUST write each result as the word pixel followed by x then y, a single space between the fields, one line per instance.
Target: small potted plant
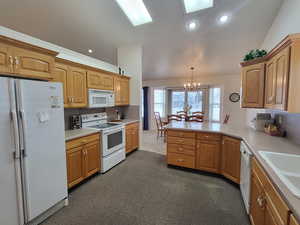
pixel 254 54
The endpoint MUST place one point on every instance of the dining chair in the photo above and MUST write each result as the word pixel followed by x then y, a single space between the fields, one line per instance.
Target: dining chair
pixel 182 114
pixel 227 117
pixel 174 118
pixel 196 118
pixel 198 113
pixel 161 126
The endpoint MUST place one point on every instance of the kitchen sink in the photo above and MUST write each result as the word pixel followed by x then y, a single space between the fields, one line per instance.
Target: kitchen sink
pixel 287 167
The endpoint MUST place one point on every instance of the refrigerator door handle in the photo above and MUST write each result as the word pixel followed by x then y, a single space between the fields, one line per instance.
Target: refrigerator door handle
pixel 22 118
pixel 16 134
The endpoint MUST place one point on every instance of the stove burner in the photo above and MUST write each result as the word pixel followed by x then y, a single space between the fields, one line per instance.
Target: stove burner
pixel 105 125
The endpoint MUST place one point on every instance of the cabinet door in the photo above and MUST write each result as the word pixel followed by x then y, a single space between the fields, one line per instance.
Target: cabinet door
pixel 60 75
pixel 281 82
pixel 208 156
pixel 129 139
pixel 257 209
pixel 92 158
pixel 135 136
pixel 253 83
pixel 75 166
pixel 107 82
pixel 32 64
pixel 231 159
pixel 76 87
pixel 94 80
pixel 125 92
pixel 117 89
pixel 270 84
pixel 6 59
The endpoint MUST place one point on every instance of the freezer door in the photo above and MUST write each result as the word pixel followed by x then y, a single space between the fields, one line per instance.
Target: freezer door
pixel 10 180
pixel 41 111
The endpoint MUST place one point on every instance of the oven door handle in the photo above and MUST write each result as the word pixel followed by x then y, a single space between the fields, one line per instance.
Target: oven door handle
pixel 113 131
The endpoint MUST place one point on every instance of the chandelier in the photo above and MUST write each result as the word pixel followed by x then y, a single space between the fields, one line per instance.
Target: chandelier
pixel 192 85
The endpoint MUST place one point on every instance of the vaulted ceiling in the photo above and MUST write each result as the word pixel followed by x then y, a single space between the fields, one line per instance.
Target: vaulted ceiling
pixel 168 48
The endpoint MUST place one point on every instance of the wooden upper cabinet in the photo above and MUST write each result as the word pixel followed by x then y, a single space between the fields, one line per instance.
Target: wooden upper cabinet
pixel 208 156
pixel 76 87
pixel 231 159
pixel 282 61
pixel 97 80
pixel 33 64
pixel 6 59
pixel 60 75
pixel 253 78
pixel 121 88
pixel 270 84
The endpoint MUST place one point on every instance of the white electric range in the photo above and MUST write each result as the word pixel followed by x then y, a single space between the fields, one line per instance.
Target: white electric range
pixel 112 141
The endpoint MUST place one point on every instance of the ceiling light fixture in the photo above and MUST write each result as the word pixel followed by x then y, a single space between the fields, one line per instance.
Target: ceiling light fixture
pixel 136 11
pixel 223 19
pixel 192 25
pixel 196 5
pixel 90 51
pixel 192 85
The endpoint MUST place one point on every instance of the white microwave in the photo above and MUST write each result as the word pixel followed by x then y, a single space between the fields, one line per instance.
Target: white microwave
pixel 101 98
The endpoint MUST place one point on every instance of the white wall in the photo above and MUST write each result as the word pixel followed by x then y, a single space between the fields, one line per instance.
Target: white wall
pixel 130 60
pixel 286 22
pixel 229 84
pixel 63 52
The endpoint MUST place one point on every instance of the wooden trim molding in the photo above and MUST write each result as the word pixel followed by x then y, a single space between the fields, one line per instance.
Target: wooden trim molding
pixel 25 45
pixel 288 40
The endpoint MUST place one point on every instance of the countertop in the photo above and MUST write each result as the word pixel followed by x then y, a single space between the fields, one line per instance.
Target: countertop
pixel 256 141
pixel 72 134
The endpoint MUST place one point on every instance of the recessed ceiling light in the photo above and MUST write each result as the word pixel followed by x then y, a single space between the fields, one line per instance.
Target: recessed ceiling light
pixel 192 25
pixel 196 5
pixel 223 19
pixel 136 11
pixel 90 51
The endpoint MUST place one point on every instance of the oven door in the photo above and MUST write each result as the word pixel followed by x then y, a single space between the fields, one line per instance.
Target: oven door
pixel 113 140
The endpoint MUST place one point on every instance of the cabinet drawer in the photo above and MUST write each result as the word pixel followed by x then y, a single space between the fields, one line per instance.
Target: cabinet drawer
pixel 277 205
pixel 209 136
pixel 82 141
pixel 181 149
pixel 182 134
pixel 181 160
pixel 182 141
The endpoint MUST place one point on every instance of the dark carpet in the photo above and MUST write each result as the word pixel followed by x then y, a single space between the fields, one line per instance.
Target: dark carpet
pixel 144 191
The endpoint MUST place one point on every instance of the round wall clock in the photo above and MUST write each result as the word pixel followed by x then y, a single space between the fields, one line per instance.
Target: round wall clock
pixel 234 97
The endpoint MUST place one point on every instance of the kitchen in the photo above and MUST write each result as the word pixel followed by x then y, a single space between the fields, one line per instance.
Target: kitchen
pixel 79 140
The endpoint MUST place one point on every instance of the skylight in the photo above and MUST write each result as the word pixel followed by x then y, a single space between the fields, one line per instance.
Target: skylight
pixel 136 11
pixel 196 5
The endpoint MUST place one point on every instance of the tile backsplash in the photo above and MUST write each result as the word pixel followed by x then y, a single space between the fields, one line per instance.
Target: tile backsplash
pixel 128 112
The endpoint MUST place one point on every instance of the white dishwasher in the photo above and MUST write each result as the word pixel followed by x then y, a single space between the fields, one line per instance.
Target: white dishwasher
pixel 245 180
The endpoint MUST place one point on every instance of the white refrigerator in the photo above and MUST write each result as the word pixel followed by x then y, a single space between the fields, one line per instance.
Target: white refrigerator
pixel 33 176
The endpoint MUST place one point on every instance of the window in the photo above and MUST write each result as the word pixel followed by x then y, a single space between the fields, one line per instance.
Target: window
pixel 215 104
pixel 195 99
pixel 178 101
pixel 159 101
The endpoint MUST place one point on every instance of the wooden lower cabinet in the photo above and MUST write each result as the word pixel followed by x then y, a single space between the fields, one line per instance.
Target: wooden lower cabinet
pixel 132 136
pixel 83 158
pixel 231 159
pixel 208 156
pixel 181 160
pixel 266 205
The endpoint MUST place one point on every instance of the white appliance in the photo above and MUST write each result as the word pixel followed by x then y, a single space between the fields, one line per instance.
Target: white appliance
pixel 245 182
pixel 33 176
pixel 112 141
pixel 101 99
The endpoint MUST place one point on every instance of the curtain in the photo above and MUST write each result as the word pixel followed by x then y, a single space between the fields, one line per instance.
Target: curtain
pixel 146 108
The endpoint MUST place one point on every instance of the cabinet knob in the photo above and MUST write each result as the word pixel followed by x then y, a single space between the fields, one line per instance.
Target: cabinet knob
pixel 180 160
pixel 261 201
pixel 10 60
pixel 16 62
pixel 180 149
